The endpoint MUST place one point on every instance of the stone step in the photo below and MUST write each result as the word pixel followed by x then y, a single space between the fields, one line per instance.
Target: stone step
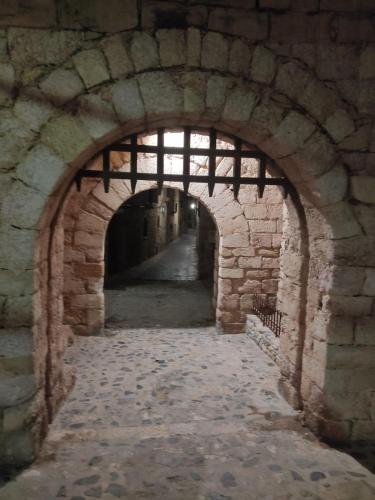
pixel 16 351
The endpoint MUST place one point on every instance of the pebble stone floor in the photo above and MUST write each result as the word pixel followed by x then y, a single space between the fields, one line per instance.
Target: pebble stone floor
pixel 181 414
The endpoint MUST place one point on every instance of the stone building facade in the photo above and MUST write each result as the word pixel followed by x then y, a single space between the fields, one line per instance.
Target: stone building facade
pixel 292 78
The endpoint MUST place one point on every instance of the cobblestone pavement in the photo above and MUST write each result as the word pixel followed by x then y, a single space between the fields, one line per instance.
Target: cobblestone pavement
pixel 182 414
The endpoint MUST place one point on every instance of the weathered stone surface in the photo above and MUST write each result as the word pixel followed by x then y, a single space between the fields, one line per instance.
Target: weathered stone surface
pixel 160 93
pixel 239 58
pixel 263 65
pixel 119 61
pixel 7 82
pixel 23 206
pixel 194 85
pixel 236 240
pixel 67 136
pixel 127 100
pixel 32 108
pixel 363 188
pixel 339 125
pixel 41 169
pixel 97 115
pixel 369 286
pixel 332 186
pixel 239 105
pixel 15 139
pixel 292 133
pixel 16 390
pixel 172 47
pixel 250 262
pixel 253 25
pixel 292 79
pixel 193 49
pixel 92 67
pixel 216 92
pixel 116 15
pixel 231 273
pixel 215 52
pixel 275 4
pixel 29 47
pixel 367 63
pixel 62 85
pixel 365 331
pixel 16 254
pixel 144 51
pixel 350 306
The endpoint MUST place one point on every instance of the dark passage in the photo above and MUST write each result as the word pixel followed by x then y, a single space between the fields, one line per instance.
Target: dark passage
pixel 172 285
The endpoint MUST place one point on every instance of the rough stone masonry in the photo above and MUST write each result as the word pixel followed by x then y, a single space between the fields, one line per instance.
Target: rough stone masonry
pixel 292 78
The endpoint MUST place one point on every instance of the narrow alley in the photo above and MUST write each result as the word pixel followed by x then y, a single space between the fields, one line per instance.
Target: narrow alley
pixel 162 291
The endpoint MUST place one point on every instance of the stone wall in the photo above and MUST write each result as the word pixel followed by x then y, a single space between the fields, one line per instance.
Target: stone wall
pixel 294 78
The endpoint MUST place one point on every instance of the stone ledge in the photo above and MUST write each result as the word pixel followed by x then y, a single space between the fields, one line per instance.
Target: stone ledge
pixel 263 337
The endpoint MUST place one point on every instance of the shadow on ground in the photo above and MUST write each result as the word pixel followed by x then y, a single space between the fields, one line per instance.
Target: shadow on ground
pixel 159 304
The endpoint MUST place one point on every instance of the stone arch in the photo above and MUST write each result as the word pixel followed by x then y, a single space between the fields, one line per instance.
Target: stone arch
pixel 278 105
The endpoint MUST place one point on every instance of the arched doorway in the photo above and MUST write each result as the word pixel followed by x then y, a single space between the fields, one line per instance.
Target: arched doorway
pixel 160 262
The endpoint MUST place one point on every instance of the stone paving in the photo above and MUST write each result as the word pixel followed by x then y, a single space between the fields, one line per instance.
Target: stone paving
pixel 182 414
pixel 163 291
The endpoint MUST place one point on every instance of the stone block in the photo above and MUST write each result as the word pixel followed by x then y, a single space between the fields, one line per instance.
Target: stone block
pixel 144 52
pixel 215 52
pixel 263 65
pixel 339 125
pixel 299 28
pixel 262 226
pixel 160 94
pixel 61 86
pixel 33 47
pixel 349 306
pixel 318 99
pixel 32 109
pixel 331 187
pixel 249 262
pixel 270 286
pixel 244 252
pixel 367 63
pixel 15 139
pixel 216 92
pixel 67 136
pixel 239 105
pixel 97 115
pixel 315 157
pixel 159 14
pixel 92 67
pixel 231 273
pixel 127 100
pixel 33 172
pixel 172 47
pixel 250 286
pixel 119 61
pixel 292 79
pixel 335 62
pixel 292 133
pixel 116 15
pixel 342 280
pixel 7 81
pixel 239 58
pixel 246 302
pixel 369 286
pixel 258 274
pixel 23 206
pixel 236 240
pixel 365 331
pixel 194 44
pixel 341 220
pixel 194 85
pixel 252 26
pixel 363 188
pixel 275 4
pixel 270 263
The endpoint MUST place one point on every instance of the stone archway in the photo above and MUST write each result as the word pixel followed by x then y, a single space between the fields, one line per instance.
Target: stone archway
pixel 283 109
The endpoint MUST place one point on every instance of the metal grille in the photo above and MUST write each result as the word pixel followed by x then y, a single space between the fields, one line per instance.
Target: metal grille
pixel 270 317
pixel 186 151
